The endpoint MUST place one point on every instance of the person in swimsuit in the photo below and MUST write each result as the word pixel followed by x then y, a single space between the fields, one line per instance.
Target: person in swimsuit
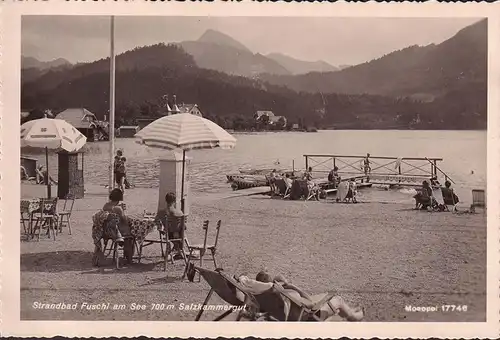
pixel 119 170
pixel 341 308
pixel 366 164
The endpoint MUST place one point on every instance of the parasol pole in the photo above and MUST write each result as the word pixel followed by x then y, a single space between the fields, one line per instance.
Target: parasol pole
pixel 182 186
pixel 111 132
pixel 49 193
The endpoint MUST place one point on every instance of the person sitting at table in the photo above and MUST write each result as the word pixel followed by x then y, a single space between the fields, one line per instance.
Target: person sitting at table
pixel 115 205
pixel 171 218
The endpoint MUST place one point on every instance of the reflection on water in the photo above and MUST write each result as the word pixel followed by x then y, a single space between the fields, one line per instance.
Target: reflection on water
pixel 462 151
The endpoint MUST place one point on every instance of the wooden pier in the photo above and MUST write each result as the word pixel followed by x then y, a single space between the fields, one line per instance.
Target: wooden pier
pixel 391 171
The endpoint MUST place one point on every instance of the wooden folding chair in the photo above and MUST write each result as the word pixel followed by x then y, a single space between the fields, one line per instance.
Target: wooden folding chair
pixel 116 248
pixel 46 216
pixel 166 239
pixel 201 248
pixel 66 212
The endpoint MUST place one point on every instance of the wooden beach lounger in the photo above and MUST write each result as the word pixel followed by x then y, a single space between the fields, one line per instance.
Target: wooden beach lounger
pixel 224 286
pixel 271 304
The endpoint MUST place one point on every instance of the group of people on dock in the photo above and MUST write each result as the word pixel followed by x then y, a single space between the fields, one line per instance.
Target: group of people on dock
pixel 289 180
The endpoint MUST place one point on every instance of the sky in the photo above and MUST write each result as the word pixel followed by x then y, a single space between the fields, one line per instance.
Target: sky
pixel 338 41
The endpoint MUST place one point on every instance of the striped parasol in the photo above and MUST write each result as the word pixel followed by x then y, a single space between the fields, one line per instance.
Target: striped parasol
pixel 54 134
pixel 185 131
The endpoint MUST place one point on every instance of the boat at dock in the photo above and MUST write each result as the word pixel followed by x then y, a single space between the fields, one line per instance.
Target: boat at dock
pixel 239 182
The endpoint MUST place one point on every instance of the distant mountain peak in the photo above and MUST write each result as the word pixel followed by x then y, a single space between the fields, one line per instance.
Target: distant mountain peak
pixel 215 37
pixel 31 62
pixel 297 66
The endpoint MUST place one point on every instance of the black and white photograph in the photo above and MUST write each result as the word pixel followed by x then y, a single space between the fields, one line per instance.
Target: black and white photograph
pixel 259 168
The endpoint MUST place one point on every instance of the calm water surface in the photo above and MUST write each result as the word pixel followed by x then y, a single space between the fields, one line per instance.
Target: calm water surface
pixel 462 151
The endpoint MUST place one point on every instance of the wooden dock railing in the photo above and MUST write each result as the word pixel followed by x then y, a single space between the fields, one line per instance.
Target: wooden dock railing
pixel 378 169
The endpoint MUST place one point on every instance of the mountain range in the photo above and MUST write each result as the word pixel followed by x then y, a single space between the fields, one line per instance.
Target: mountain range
pixel 440 86
pixel 425 72
pixel 218 51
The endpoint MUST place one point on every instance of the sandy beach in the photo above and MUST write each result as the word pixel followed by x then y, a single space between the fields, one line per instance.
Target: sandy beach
pixel 380 256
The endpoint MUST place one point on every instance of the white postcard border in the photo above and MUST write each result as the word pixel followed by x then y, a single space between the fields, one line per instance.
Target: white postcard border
pixel 9 190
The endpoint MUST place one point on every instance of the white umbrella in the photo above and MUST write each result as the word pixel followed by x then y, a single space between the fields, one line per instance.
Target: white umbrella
pixel 185 131
pixel 51 134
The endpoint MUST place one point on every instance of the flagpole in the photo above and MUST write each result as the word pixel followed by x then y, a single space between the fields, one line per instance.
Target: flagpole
pixel 111 132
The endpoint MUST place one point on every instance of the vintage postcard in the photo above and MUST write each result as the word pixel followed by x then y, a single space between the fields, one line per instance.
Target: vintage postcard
pixel 182 163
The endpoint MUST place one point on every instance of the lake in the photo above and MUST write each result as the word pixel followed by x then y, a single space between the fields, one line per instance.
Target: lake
pixel 463 152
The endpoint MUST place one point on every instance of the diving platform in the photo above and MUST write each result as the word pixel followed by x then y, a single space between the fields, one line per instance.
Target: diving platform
pixel 378 170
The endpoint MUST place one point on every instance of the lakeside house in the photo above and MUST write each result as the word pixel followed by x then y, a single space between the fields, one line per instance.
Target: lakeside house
pixel 190 108
pixel 84 121
pixel 272 119
pixel 169 109
pixel 126 131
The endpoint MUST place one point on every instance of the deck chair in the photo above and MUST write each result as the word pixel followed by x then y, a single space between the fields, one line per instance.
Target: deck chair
pixel 281 188
pixel 423 199
pixel 278 305
pixel 228 289
pixel 313 193
pixel 449 199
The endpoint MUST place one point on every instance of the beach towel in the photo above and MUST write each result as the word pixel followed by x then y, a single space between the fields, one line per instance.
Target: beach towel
pixel 342 191
pixel 398 162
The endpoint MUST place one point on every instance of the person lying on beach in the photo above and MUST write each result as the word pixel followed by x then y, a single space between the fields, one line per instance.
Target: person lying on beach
pixel 24 174
pixel 41 176
pixel 171 218
pixel 342 309
pixel 115 205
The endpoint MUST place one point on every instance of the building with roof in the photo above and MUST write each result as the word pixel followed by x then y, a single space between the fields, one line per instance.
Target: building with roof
pixel 190 108
pixel 84 121
pixel 272 118
pixel 126 131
